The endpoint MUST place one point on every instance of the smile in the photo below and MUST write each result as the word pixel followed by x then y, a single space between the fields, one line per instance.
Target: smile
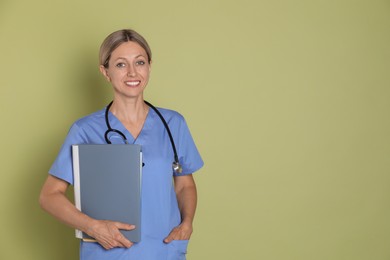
pixel 132 83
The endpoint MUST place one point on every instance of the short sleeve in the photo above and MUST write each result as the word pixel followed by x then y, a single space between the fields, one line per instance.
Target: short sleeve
pixel 189 156
pixel 63 167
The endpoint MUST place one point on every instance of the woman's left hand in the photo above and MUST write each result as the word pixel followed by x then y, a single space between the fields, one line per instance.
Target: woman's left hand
pixel 181 232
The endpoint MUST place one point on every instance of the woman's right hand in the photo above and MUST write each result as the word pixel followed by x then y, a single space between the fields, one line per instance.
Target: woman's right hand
pixel 107 233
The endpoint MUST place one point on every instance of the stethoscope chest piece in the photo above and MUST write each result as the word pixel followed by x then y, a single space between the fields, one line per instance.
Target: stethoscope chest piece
pixel 177 167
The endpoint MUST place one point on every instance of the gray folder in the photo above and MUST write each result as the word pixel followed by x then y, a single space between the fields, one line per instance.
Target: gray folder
pixel 107 184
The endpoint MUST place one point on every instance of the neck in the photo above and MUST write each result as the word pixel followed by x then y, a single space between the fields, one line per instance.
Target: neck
pixel 130 111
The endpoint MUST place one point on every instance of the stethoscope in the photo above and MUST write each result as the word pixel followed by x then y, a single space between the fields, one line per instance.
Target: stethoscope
pixel 175 165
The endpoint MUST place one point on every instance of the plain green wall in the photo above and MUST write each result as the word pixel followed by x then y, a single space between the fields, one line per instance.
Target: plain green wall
pixel 288 101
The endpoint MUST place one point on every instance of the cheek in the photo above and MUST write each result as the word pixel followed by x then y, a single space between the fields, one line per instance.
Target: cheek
pixel 117 76
pixel 146 74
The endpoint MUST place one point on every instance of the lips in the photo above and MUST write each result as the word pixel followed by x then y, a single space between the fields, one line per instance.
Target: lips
pixel 132 83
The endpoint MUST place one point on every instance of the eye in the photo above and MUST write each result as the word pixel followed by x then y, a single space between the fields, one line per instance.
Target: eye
pixel 120 65
pixel 140 62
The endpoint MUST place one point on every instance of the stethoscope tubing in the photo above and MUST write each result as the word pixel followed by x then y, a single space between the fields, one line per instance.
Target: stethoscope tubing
pixel 167 128
pixel 176 164
pixel 109 129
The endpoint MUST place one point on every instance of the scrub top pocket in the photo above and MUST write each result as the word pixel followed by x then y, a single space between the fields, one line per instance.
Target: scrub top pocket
pixel 177 250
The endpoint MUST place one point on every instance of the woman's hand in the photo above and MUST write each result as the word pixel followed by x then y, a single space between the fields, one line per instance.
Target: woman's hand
pixel 108 235
pixel 181 232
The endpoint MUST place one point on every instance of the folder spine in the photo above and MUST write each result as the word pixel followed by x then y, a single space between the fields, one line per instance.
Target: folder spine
pixel 76 183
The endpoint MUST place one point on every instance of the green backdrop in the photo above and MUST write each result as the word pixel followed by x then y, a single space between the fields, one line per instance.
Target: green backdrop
pixel 288 102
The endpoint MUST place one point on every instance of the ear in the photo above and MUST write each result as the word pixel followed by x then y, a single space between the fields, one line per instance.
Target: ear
pixel 103 70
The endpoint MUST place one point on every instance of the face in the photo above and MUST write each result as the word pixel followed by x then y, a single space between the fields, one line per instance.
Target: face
pixel 128 70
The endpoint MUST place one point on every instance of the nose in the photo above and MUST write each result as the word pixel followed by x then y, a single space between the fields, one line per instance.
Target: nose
pixel 131 72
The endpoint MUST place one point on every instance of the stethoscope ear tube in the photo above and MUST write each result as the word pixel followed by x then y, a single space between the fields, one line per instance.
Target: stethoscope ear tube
pixel 175 165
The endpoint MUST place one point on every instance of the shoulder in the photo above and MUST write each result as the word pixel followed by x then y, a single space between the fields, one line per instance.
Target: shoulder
pixel 90 120
pixel 86 126
pixel 171 116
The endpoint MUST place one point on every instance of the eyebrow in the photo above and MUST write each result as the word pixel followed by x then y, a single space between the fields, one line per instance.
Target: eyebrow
pixel 136 57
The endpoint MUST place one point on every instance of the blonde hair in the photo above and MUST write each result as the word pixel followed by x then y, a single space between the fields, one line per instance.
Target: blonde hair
pixel 117 38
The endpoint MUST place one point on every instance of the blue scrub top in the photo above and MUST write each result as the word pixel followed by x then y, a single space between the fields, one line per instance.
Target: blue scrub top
pixel 160 212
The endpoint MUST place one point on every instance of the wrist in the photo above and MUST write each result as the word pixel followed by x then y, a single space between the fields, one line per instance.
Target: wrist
pixel 187 221
pixel 186 225
pixel 90 226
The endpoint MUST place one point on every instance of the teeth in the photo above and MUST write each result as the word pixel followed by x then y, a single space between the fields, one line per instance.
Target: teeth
pixel 132 83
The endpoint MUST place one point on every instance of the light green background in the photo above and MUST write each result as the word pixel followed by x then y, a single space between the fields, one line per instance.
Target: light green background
pixel 288 101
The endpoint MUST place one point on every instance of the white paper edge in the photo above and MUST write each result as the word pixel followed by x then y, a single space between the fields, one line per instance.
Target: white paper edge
pixel 76 183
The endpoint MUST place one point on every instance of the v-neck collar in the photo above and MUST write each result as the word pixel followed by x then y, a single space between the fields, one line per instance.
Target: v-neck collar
pixel 117 124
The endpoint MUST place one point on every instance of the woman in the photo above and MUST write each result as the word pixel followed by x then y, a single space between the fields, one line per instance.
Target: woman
pixel 168 207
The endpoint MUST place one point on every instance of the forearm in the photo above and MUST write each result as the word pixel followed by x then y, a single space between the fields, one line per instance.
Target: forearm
pixel 53 200
pixel 58 205
pixel 185 189
pixel 187 201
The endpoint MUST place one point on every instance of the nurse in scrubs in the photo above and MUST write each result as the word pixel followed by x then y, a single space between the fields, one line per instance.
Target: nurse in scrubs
pixel 168 207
